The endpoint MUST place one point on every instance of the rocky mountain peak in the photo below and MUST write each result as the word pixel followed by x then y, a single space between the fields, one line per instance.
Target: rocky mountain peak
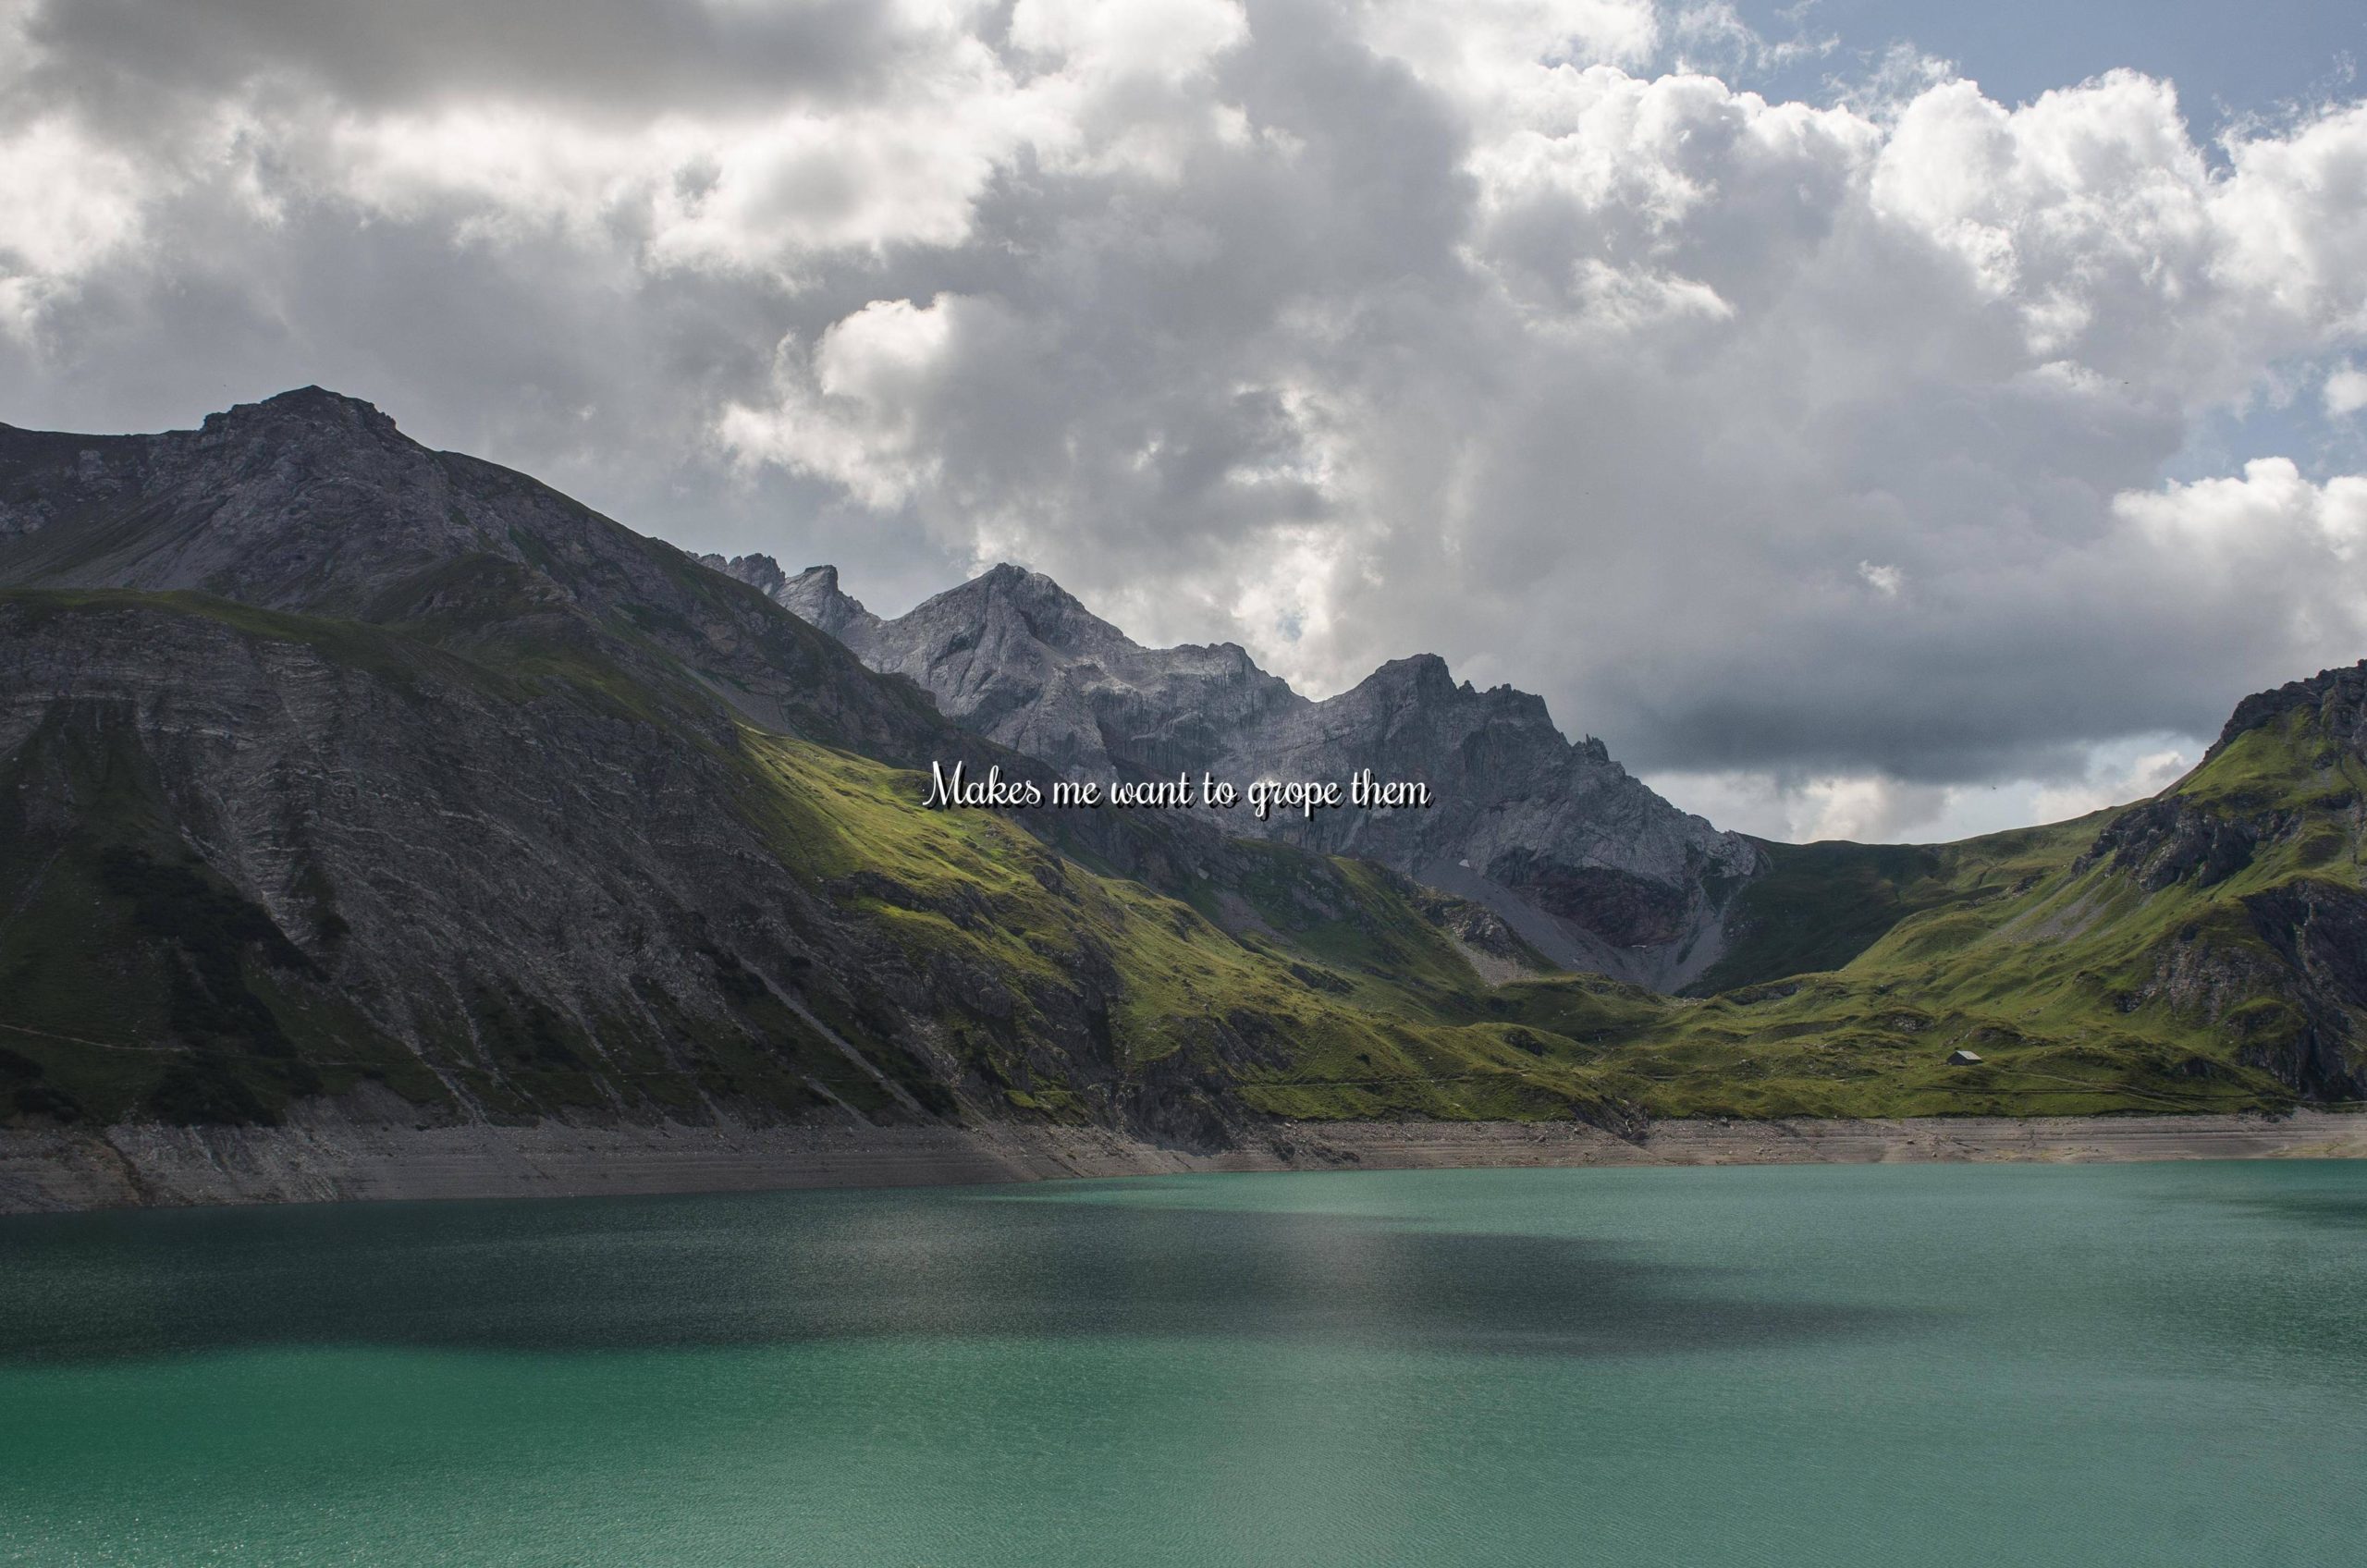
pixel 760 572
pixel 308 500
pixel 317 407
pixel 314 502
pixel 2337 695
pixel 812 595
pixel 1052 615
pixel 1422 674
pixel 1586 862
pixel 1423 683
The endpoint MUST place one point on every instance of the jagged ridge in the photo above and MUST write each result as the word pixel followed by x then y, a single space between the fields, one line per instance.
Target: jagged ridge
pixel 1590 865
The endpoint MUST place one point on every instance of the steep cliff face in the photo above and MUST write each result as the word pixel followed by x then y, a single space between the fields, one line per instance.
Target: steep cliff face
pixel 1587 863
pixel 2270 825
pixel 813 594
pixel 283 856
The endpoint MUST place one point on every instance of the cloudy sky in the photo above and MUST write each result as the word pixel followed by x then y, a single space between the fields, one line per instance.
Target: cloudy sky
pixel 1875 419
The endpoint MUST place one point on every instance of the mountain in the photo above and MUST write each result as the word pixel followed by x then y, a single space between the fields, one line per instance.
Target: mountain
pixel 2216 929
pixel 333 770
pixel 316 504
pixel 1591 867
pixel 345 784
pixel 2170 949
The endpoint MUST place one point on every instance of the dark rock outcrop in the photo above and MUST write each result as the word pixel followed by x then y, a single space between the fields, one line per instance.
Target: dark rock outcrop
pixel 2320 930
pixel 2171 840
pixel 2336 699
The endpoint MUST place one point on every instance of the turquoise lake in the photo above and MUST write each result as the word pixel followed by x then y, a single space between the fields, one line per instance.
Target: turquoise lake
pixel 1827 1366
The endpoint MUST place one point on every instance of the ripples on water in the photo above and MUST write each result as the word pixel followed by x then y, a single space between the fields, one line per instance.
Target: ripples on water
pixel 2110 1365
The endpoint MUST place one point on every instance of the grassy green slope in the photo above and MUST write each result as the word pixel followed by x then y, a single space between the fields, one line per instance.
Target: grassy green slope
pixel 2154 957
pixel 1366 1010
pixel 2082 989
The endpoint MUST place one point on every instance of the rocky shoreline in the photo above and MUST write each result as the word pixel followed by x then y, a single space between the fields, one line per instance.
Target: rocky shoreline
pixel 327 1160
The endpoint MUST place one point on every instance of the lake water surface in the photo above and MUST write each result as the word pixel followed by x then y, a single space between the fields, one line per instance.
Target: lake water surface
pixel 1827 1366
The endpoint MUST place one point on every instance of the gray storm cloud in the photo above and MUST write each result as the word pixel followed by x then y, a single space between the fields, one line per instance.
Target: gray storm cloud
pixel 1779 441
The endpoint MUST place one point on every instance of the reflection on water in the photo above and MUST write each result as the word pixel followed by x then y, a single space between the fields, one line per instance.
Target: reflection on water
pixel 617 1274
pixel 2340 1211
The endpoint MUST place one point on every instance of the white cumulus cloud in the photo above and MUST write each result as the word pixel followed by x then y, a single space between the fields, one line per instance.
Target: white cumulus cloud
pixel 1818 444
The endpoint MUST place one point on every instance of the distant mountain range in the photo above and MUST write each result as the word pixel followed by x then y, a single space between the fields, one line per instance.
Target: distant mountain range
pixel 348 783
pixel 1591 867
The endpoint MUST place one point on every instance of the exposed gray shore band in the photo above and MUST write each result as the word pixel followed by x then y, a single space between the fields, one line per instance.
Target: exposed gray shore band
pixel 339 1161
